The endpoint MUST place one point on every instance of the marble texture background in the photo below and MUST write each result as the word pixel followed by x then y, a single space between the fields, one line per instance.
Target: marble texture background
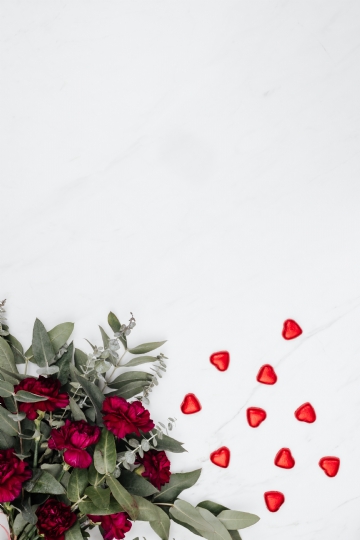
pixel 197 163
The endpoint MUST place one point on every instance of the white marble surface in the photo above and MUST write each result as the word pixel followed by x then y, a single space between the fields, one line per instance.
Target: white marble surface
pixel 197 163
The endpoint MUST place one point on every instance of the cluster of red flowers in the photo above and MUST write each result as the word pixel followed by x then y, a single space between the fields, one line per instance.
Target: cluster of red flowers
pixel 119 416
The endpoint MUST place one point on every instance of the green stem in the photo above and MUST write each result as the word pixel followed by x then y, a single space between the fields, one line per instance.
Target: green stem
pixel 163 504
pixel 36 454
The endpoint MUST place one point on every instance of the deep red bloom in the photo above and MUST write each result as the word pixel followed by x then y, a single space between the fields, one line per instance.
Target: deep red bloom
pixel 157 467
pixel 54 519
pixel 13 473
pixel 42 386
pixel 122 417
pixel 115 525
pixel 74 437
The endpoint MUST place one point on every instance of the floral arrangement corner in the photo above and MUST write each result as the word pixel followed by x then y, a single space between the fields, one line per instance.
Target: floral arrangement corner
pixel 79 449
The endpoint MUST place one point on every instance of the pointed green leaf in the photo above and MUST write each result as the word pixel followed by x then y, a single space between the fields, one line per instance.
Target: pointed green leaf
pixel 235 535
pixel 29 397
pixel 105 338
pixel 58 337
pixel 14 376
pixel 233 520
pixel 76 411
pixel 64 364
pixel 146 347
pixel 87 507
pixel 186 525
pixel 74 533
pixel 185 513
pixel 42 348
pixel 105 453
pixel 178 482
pixel 19 524
pixel 161 525
pixel 147 511
pixel 95 478
pixel 6 441
pixel 129 390
pixel 47 484
pixel 137 485
pixel 123 497
pixel 130 376
pixel 169 444
pixel 99 496
pixel 219 531
pixel 94 393
pixel 7 425
pixel 213 507
pixel 6 389
pixel 138 360
pixel 16 344
pixel 6 357
pixel 114 322
pixel 77 484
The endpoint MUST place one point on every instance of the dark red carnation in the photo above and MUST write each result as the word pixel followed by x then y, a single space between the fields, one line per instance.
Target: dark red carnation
pixel 13 473
pixel 122 417
pixel 54 519
pixel 42 386
pixel 157 467
pixel 74 437
pixel 115 526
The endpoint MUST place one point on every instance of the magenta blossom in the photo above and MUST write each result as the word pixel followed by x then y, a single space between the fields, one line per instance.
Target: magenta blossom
pixel 74 437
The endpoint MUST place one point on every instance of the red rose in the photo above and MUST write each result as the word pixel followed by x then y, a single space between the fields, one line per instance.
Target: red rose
pixel 54 519
pixel 122 417
pixel 42 387
pixel 157 467
pixel 13 473
pixel 74 437
pixel 115 525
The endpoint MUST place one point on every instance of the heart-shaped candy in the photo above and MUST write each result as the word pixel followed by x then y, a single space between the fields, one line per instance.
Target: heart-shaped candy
pixel 273 500
pixel 221 457
pixel 284 459
pixel 255 416
pixel 266 375
pixel 291 329
pixel 306 413
pixel 190 404
pixel 220 360
pixel 330 465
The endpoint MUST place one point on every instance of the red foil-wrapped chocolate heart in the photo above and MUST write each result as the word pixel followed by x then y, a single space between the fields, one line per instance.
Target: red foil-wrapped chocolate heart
pixel 330 465
pixel 291 329
pixel 190 404
pixel 221 457
pixel 220 360
pixel 273 500
pixel 284 459
pixel 305 413
pixel 255 416
pixel 266 375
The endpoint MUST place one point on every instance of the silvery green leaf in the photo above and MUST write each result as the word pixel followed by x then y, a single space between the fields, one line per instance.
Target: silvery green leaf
pixel 145 445
pixel 130 458
pixel 4 332
pixel 36 434
pixel 125 464
pixel 155 381
pixel 134 443
pixel 114 322
pixel 105 354
pixel 141 452
pixel 116 472
pixel 146 347
pixel 17 417
pixel 58 423
pixel 120 456
pixel 75 384
pixel 103 367
pixel 42 348
pixel 91 345
pixel 170 426
pixel 154 441
pixel 162 425
pixel 47 370
pixel 105 338
pixel 114 345
pixel 145 400
pixel 6 389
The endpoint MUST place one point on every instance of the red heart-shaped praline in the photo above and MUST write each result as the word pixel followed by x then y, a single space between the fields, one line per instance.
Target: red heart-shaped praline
pixel 266 375
pixel 291 329
pixel 220 360
pixel 284 459
pixel 330 465
pixel 255 416
pixel 221 457
pixel 190 404
pixel 306 413
pixel 273 500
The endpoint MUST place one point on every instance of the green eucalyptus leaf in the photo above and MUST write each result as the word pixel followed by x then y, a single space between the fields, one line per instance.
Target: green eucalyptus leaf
pixel 130 376
pixel 104 337
pixel 87 507
pixel 234 535
pixel 219 530
pixel 77 484
pixel 47 484
pixel 58 337
pixel 6 389
pixel 95 478
pixel 19 524
pixel 161 525
pixel 105 453
pixel 233 519
pixel 43 351
pixel 186 514
pixel 213 507
pixel 147 511
pixel 74 533
pixel 7 425
pixel 114 322
pixel 7 358
pixel 64 364
pixel 90 414
pixel 129 390
pixel 169 444
pixel 137 485
pixel 146 347
pixel 178 482
pixel 94 393
pixel 123 497
pixel 99 496
pixel 28 397
pixel 6 441
pixel 138 360
pixel 13 376
pixel 16 343
pixel 76 411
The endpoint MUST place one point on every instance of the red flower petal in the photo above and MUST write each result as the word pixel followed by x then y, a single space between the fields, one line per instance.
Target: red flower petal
pixel 77 458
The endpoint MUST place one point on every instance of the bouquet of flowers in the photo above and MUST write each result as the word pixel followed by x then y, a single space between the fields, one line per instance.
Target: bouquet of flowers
pixel 78 448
